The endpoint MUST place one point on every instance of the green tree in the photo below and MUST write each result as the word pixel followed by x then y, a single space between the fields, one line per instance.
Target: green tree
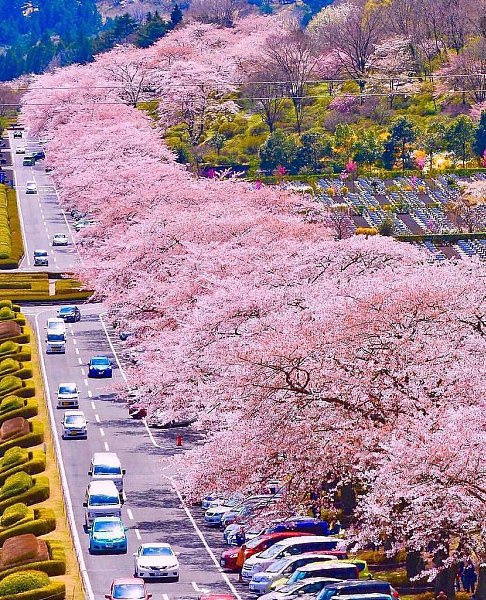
pixel 433 140
pixel 175 16
pixel 217 142
pixel 402 132
pixel 151 31
pixel 314 147
pixel 279 150
pixel 480 138
pixel 459 137
pixel 367 149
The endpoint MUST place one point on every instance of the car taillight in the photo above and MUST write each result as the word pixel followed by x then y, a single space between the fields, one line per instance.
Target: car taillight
pixel 394 593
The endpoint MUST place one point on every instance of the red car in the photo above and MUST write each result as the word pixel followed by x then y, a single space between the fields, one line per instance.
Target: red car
pixel 255 546
pixel 128 588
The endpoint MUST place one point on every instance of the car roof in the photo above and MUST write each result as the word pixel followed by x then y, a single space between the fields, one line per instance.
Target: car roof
pixel 105 458
pixel 107 519
pixel 365 582
pixel 53 320
pixel 100 356
pixel 315 566
pixel 101 486
pixel 155 545
pixel 67 306
pixel 40 251
pixel 311 556
pixel 308 538
pixel 60 234
pixel 373 596
pixel 68 383
pixel 330 580
pixel 119 580
pixel 73 413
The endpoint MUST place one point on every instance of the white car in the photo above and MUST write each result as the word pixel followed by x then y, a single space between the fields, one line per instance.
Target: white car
pixel 67 395
pixel 156 561
pixel 31 187
pixel 20 150
pixel 74 425
pixel 60 239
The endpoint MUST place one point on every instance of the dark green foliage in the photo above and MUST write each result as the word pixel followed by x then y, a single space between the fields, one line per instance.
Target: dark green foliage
pixel 14 456
pixel 18 407
pixel 459 138
pixel 37 493
pixel 154 28
pixel 15 484
pixel 402 133
pixel 38 521
pixel 175 16
pixel 480 138
pixel 387 227
pixel 279 150
pixel 11 403
pixel 9 383
pixel 15 513
pixel 314 148
pixel 23 581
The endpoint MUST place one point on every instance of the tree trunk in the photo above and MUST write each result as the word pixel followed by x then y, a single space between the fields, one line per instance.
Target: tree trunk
pixel 444 582
pixel 414 563
pixel 348 496
pixel 481 588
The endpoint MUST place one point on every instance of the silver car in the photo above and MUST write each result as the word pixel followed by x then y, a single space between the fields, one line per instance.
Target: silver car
pixel 74 425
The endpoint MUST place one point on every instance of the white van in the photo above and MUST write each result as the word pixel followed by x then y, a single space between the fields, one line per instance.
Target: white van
pixel 106 466
pixel 288 547
pixel 101 500
pixel 56 336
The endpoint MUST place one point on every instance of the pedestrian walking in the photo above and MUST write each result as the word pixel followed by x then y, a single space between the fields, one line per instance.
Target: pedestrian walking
pixel 469 577
pixel 240 560
pixel 441 596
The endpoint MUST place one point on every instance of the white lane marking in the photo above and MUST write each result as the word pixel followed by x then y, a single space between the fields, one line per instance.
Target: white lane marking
pixel 90 394
pixel 130 514
pixel 97 417
pixel 93 405
pixel 65 487
pixel 124 496
pixel 80 361
pixel 202 538
pixel 165 596
pixel 137 533
pixel 152 439
pixel 102 432
pixel 83 372
pixel 198 589
pixel 107 448
pixel 122 372
pixel 74 341
pixel 76 350
pixel 86 382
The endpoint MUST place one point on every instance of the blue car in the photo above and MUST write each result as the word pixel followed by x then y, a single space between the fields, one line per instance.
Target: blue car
pixel 303 524
pixel 100 366
pixel 107 535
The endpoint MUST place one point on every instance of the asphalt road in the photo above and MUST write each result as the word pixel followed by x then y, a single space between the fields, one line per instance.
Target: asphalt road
pixel 153 511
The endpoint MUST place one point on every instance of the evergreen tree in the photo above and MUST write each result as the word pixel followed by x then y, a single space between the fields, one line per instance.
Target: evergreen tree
pixel 175 16
pixel 480 139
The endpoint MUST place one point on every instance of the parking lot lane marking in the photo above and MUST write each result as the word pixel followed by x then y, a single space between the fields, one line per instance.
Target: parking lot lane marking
pixel 80 361
pixel 86 382
pixel 102 432
pixel 97 417
pixel 93 405
pixel 130 514
pixel 107 448
pixel 76 349
pixel 90 394
pixel 165 596
pixel 137 533
pixel 198 589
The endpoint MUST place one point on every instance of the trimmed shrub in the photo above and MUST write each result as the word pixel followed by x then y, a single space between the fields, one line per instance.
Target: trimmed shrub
pixel 24 373
pixel 23 581
pixel 36 463
pixel 11 403
pixel 34 437
pixel 56 590
pixel 16 484
pixel 15 513
pixel 9 384
pixel 9 365
pixel 52 556
pixel 37 493
pixel 10 329
pixel 9 347
pixel 28 408
pixel 5 312
pixel 7 303
pixel 13 457
pixel 27 390
pixel 38 521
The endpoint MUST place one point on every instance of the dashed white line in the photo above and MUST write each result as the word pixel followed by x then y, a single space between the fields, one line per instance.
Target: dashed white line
pixel 86 382
pixel 165 596
pixel 74 341
pixel 77 351
pixel 90 395
pixel 97 417
pixel 107 448
pixel 83 372
pixel 93 405
pixel 102 432
pixel 130 514
pixel 124 496
pixel 80 361
pixel 137 533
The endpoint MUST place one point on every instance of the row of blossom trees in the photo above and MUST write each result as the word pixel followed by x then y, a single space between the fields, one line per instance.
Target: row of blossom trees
pixel 302 356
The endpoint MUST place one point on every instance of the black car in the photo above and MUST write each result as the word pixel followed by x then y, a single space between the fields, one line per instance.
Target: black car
pixel 70 314
pixel 17 134
pixel 39 154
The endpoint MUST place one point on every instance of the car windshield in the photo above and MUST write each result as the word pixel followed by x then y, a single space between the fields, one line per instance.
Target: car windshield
pixel 128 590
pixel 60 235
pixel 108 526
pixel 75 420
pixel 156 551
pixel 272 551
pixel 65 310
pixel 100 361
pixel 102 499
pixel 253 543
pixel 40 253
pixel 107 470
pixel 67 389
pixel 278 565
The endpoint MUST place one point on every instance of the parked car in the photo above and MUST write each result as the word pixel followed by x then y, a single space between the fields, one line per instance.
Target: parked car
pixel 128 588
pixel 20 150
pixel 219 499
pixel 82 223
pixel 74 425
pixel 67 395
pixel 28 161
pixel 31 187
pixel 107 535
pixel 17 134
pixel 364 597
pixel 100 366
pixel 60 239
pixel 334 569
pixel 255 546
pixel 70 314
pixel 261 582
pixel 294 590
pixel 156 561
pixel 293 545
pixel 41 258
pixel 214 514
pixel 246 508
pixel 303 524
pixel 345 588
pixel 39 154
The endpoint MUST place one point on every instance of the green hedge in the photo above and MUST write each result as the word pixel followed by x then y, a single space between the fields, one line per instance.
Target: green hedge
pixel 37 493
pixel 29 408
pixel 24 354
pixel 10 403
pixel 44 521
pixel 24 373
pixel 56 565
pixel 15 485
pixel 16 286
pixel 16 513
pixel 27 390
pixel 9 365
pixel 8 347
pixel 6 313
pixel 23 581
pixel 33 438
pixel 13 457
pixel 16 242
pixel 36 463
pixel 56 590
pixel 9 384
